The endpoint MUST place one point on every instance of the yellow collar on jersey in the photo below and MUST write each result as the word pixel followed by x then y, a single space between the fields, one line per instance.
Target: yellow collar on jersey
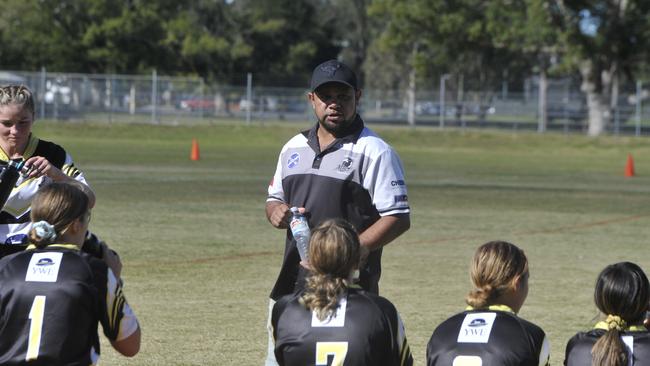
pixel 632 328
pixel 504 308
pixel 29 149
pixel 65 246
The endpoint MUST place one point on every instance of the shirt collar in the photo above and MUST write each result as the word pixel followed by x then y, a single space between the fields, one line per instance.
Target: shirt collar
pixel 497 307
pixel 351 135
pixel 64 246
pixel 29 149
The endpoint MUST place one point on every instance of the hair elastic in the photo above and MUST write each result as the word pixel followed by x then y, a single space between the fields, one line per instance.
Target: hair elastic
pixel 44 230
pixel 615 322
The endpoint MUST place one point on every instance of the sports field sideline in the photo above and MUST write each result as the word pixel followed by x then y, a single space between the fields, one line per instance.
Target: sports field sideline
pixel 200 258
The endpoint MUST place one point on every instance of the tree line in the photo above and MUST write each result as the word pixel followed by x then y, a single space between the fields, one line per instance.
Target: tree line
pixel 392 44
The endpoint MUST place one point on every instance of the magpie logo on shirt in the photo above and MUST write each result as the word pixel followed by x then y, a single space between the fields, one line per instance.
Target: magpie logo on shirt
pixel 45 262
pixel 478 322
pixel 293 160
pixel 345 165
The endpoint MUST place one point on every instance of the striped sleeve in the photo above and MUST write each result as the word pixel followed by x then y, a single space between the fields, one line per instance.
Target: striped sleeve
pixel 72 171
pixel 405 356
pixel 384 180
pixel 120 321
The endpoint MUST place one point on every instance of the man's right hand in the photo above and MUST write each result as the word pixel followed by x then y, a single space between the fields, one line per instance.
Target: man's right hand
pixel 278 214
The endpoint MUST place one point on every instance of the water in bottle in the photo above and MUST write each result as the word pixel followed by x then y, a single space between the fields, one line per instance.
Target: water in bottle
pixel 301 233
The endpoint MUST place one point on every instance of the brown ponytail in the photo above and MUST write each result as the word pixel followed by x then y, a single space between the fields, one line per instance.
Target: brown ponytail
pixel 333 255
pixel 54 208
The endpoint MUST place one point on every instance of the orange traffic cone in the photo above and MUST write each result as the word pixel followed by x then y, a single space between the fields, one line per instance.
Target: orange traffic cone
pixel 194 155
pixel 629 167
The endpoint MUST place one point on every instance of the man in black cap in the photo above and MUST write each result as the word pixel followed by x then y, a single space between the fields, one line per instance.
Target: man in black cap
pixel 337 169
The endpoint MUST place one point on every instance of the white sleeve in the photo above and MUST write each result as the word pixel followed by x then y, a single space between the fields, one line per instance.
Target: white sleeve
pixel 276 193
pixel 121 319
pixel 545 353
pixel 384 180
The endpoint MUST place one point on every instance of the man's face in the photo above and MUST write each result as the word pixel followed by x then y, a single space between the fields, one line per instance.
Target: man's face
pixel 335 105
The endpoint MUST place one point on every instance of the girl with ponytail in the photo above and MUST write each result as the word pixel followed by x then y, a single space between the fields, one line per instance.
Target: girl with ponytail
pixel 489 332
pixel 334 316
pixel 622 294
pixel 59 293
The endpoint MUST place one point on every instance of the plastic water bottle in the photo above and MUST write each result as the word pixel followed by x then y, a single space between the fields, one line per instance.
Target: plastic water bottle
pixel 301 232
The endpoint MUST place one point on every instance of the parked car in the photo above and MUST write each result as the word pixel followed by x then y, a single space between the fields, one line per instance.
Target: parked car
pixel 196 104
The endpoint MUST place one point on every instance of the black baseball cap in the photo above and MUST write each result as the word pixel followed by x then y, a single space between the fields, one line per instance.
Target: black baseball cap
pixel 333 71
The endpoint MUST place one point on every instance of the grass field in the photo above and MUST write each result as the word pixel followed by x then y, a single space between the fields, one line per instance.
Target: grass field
pixel 200 258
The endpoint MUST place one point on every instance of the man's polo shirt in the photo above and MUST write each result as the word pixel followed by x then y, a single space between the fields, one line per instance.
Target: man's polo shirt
pixel 358 177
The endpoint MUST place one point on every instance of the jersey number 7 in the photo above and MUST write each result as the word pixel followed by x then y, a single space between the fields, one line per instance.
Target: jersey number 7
pixel 325 349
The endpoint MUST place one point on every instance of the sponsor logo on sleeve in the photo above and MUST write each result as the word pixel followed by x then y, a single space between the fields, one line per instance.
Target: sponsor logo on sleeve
pixel 476 328
pixel 397 183
pixel 44 267
pixel 401 198
pixel 293 160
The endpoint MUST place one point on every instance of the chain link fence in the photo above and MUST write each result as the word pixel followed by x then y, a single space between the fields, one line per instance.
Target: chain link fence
pixel 158 99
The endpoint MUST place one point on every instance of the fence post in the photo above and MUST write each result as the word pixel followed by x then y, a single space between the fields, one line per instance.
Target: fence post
pixel 639 92
pixel 410 95
pixel 154 96
pixel 542 104
pixel 202 92
pixel 443 78
pixel 43 91
pixel 249 97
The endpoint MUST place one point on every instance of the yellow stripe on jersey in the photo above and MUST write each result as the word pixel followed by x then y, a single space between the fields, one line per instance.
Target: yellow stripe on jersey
pixel 406 350
pixel 31 147
pixel 116 308
pixel 70 170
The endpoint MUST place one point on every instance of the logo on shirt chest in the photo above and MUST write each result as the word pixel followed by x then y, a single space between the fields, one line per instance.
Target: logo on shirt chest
pixel 293 160
pixel 345 166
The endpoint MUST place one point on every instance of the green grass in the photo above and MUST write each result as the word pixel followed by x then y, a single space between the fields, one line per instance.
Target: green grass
pixel 200 258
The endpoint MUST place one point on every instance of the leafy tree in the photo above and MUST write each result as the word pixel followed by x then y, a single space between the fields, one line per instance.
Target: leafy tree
pixel 37 33
pixel 287 38
pixel 606 40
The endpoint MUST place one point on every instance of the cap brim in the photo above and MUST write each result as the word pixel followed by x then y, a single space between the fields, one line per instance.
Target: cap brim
pixel 331 81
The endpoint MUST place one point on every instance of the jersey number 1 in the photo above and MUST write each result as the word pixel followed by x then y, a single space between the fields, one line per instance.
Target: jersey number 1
pixel 36 314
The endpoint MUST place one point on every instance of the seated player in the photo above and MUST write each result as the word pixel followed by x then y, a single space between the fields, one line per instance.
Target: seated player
pixel 332 321
pixel 622 295
pixel 52 296
pixel 489 332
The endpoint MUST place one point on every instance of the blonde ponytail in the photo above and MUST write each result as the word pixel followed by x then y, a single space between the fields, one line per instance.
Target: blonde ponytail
pixel 333 255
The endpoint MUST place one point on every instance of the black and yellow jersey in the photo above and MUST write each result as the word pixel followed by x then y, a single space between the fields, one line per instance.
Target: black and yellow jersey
pixel 14 216
pixel 51 302
pixel 636 338
pixel 366 330
pixel 488 337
